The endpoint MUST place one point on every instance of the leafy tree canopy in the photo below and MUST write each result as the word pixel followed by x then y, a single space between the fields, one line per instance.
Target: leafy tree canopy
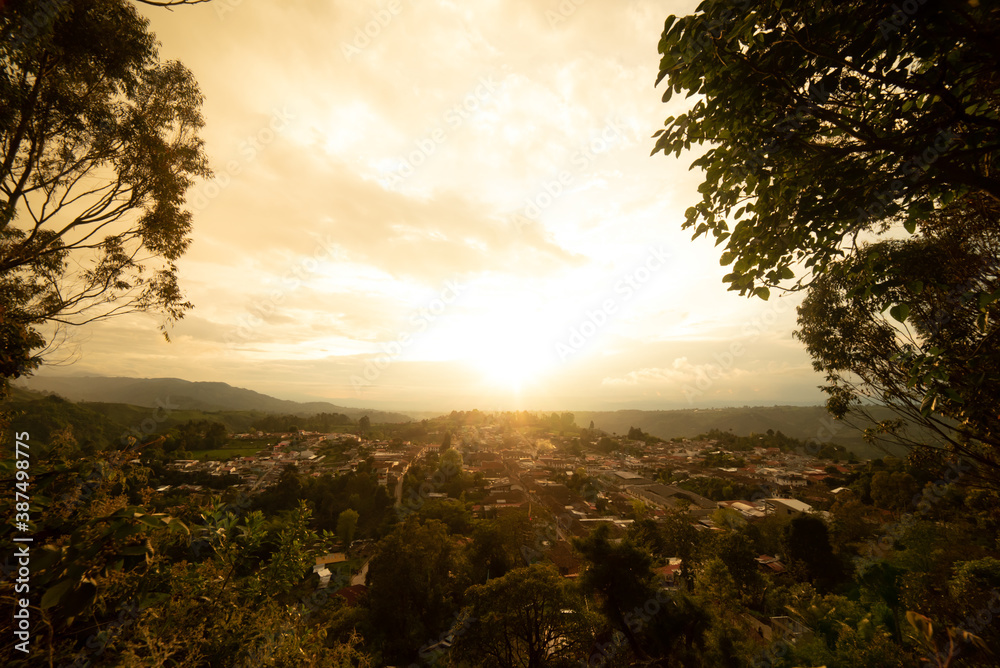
pixel 827 120
pixel 98 145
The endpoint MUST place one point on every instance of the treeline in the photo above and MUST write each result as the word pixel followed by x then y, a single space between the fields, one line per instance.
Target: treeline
pixel 775 439
pixel 509 419
pixel 718 489
pixel 321 422
pixel 637 434
pixel 329 496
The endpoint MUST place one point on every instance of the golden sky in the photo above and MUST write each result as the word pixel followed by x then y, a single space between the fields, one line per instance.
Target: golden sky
pixel 448 205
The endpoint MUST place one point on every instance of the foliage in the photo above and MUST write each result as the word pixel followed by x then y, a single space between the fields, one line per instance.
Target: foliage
pixel 99 144
pixel 347 521
pixel 807 543
pixel 329 496
pixel 496 546
pixel 934 356
pixel 321 422
pixel 620 576
pixel 412 586
pixel 528 617
pixel 815 112
pixel 858 146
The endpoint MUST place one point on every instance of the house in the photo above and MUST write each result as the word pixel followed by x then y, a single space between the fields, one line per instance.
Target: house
pixel 565 560
pixel 351 594
pixel 321 569
pixel 786 507
pixel 669 496
pixel 333 558
pixel 748 510
pixel 770 564
pixel 669 572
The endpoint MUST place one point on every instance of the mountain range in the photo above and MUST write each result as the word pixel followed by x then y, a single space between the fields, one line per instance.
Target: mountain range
pixel 188 395
pixel 802 422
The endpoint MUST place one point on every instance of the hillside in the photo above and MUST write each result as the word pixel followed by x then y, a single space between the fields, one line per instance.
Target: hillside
pixel 43 416
pixel 187 395
pixel 803 422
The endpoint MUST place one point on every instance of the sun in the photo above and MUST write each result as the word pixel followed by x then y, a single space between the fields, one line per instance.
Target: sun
pixel 509 354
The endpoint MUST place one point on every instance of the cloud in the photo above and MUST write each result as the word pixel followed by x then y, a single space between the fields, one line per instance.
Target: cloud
pixel 483 142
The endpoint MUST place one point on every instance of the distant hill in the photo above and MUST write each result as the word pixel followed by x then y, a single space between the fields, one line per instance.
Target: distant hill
pixel 802 422
pixel 187 395
pixel 43 416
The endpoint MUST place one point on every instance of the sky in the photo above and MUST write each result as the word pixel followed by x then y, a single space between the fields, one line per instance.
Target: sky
pixel 444 205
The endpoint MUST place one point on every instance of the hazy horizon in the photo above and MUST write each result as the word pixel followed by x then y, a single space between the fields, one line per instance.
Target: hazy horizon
pixel 39 379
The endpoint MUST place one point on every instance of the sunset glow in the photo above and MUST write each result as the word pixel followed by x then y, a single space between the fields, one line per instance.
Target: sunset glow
pixel 486 145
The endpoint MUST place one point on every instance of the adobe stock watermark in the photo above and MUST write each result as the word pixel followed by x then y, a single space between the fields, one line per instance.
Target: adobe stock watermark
pixel 477 99
pixel 637 620
pixel 551 190
pixel 432 651
pixel 379 20
pixel 816 97
pixel 901 13
pixel 420 320
pixel 224 7
pixel 258 313
pixel 626 288
pixel 98 642
pixel 249 148
pixel 707 375
pixel 149 426
pixel 562 11
pixel 714 28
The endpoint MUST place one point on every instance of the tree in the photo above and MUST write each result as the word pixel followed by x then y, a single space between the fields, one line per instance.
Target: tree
pixel 17 341
pixel 364 425
pixel 620 575
pixel 737 553
pixel 807 544
pixel 454 514
pixel 347 522
pixel 412 585
pixel 827 120
pixel 715 582
pixel 445 442
pixel 893 491
pixel 450 462
pixel 855 152
pixel 493 551
pixel 850 527
pixel 523 619
pixel 98 144
pixel 976 584
pixel 680 539
pixel 935 357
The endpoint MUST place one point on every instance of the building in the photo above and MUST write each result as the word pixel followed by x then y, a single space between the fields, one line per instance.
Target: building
pixel 786 507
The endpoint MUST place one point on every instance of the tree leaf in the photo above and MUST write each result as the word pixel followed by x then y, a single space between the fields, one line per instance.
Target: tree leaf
pixel 54 594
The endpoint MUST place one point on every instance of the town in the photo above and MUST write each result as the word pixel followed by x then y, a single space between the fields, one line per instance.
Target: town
pixel 575 477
